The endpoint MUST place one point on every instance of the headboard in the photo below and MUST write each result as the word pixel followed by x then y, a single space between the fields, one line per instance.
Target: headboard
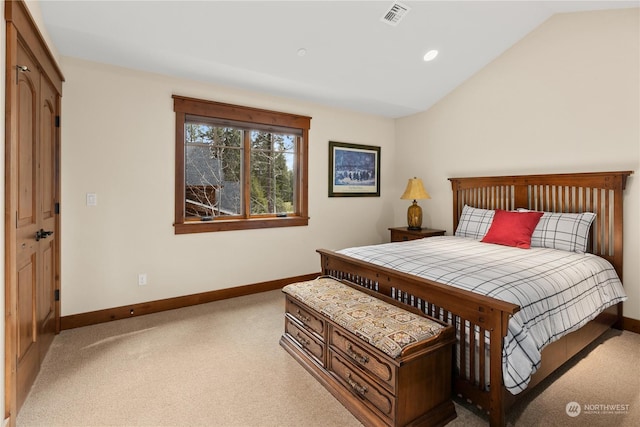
pixel 597 192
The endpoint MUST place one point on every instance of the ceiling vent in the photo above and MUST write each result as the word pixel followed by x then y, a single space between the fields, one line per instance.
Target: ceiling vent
pixel 396 12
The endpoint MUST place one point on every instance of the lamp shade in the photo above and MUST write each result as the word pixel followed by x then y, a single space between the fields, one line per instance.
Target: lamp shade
pixel 415 190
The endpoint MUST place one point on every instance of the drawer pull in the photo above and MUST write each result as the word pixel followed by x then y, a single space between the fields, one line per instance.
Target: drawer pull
pixel 362 359
pixel 302 340
pixel 302 317
pixel 360 389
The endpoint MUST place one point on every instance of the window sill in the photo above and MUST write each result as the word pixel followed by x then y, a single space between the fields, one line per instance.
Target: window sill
pixel 239 224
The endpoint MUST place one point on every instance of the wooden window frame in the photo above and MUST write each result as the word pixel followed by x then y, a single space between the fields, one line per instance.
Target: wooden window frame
pixel 184 106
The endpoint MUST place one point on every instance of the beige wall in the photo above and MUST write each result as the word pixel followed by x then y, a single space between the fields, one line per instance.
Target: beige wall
pixel 566 98
pixel 119 142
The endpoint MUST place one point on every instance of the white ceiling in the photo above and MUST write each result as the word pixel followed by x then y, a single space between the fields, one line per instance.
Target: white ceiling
pixel 352 61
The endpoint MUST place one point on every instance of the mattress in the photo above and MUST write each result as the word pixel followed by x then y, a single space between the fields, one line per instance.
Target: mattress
pixel 557 291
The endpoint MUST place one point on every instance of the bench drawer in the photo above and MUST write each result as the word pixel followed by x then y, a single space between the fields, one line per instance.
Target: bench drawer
pixel 379 400
pixel 357 353
pixel 306 341
pixel 305 316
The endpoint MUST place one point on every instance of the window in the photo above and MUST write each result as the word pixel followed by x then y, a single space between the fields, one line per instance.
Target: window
pixel 238 167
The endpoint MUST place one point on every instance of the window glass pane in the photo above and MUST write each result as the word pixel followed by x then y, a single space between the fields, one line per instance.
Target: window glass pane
pixel 213 169
pixel 272 173
pixel 197 130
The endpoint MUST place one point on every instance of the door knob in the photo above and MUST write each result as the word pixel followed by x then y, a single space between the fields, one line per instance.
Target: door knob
pixel 42 234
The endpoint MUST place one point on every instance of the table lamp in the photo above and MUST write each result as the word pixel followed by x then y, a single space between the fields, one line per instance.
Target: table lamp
pixel 415 190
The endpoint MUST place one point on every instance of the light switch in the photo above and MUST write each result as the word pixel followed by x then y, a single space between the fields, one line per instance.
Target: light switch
pixel 92 199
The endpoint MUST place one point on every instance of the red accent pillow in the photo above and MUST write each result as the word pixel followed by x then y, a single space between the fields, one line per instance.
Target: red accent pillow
pixel 512 228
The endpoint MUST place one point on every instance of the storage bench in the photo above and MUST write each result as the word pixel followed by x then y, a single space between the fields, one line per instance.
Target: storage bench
pixel 388 364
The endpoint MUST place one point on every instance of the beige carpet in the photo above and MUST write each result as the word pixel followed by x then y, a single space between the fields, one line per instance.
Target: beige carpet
pixel 220 364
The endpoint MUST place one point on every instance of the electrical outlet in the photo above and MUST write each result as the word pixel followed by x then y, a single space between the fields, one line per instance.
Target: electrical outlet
pixel 142 279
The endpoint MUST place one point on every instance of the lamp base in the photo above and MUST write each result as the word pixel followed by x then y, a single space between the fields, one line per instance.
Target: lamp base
pixel 414 217
pixel 414 228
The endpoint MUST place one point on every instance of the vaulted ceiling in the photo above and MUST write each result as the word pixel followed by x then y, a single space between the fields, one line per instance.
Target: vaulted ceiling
pixel 337 53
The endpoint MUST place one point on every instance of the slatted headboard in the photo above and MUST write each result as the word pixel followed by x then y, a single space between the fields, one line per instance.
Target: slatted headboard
pixel 597 192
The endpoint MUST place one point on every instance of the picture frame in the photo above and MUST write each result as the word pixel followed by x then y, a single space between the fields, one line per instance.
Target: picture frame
pixel 354 170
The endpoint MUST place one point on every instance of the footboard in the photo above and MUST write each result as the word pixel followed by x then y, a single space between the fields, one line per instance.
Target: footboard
pixel 473 316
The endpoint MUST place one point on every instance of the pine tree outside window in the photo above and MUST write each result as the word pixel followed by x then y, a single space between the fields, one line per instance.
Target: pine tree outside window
pixel 238 167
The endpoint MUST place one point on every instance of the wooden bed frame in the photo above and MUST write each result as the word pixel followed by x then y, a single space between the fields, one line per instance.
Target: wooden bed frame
pixel 597 192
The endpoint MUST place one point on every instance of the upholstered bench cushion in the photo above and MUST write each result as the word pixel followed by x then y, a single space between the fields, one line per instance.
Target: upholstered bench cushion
pixel 384 326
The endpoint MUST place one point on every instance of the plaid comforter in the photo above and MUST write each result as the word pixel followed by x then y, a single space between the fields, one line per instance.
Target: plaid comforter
pixel 558 291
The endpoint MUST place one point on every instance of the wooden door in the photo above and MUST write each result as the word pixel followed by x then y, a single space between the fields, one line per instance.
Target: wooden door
pixel 35 220
pixel 47 196
pixel 28 252
pixel 32 189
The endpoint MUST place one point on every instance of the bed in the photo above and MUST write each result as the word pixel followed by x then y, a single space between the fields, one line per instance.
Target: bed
pixel 475 315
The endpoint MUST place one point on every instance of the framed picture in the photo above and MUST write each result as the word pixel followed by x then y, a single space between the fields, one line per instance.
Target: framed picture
pixel 354 170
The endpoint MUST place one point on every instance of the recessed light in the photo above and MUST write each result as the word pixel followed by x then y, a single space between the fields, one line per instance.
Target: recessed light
pixel 302 51
pixel 430 55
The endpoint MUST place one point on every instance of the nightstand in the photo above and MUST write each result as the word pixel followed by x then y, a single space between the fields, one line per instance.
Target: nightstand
pixel 401 234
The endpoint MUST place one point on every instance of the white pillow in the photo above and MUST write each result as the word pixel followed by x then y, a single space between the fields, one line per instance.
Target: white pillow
pixel 474 222
pixel 565 231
